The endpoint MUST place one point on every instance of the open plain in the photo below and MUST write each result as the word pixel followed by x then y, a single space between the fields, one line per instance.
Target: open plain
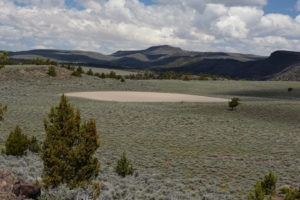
pixel 180 150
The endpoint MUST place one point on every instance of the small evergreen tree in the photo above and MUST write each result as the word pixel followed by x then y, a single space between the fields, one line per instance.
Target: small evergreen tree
pixel 233 103
pixel 80 70
pixel 259 193
pixel 33 145
pixel 76 73
pixel 68 149
pixel 102 75
pixel 124 166
pixel 52 71
pixel 290 194
pixel 3 109
pixel 90 72
pixel 186 78
pixel 16 143
pixel 290 89
pixel 3 58
pixel 269 184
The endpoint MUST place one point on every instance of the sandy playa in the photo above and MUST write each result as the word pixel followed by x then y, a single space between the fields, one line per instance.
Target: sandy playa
pixel 129 96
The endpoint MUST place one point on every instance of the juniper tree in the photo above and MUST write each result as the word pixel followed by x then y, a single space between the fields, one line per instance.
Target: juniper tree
pixel 269 183
pixel 90 72
pixel 124 166
pixel 259 193
pixel 52 71
pixel 17 143
pixel 3 109
pixel 69 147
pixel 234 103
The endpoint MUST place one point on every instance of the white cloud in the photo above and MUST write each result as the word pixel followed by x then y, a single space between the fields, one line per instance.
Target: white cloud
pixel 109 25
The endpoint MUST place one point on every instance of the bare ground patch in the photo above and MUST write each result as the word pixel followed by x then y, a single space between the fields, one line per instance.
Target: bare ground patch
pixel 128 96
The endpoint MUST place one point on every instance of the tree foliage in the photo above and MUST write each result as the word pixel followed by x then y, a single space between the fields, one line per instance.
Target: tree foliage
pixel 258 194
pixel 69 147
pixel 90 72
pixel 290 194
pixel 265 187
pixel 124 166
pixel 52 71
pixel 17 143
pixel 33 145
pixel 234 102
pixel 269 183
pixel 3 58
pixel 3 109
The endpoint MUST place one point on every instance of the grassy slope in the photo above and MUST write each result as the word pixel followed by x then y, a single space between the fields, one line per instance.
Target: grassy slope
pixel 179 149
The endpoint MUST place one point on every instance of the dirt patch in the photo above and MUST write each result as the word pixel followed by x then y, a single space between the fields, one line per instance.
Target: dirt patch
pixel 128 96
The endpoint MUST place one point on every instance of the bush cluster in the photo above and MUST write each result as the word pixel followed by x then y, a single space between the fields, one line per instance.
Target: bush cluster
pixel 18 143
pixel 266 189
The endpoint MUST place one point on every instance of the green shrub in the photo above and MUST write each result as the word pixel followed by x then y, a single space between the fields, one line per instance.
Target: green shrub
pixel 52 71
pixel 3 109
pixel 186 78
pixel 17 143
pixel 265 187
pixel 124 166
pixel 290 89
pixel 102 75
pixel 90 72
pixel 33 145
pixel 233 103
pixel 76 73
pixel 80 70
pixel 76 166
pixel 122 80
pixel 259 193
pixel 290 194
pixel 269 184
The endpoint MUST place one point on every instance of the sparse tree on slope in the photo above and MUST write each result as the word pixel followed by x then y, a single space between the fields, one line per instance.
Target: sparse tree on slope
pixel 69 147
pixel 3 109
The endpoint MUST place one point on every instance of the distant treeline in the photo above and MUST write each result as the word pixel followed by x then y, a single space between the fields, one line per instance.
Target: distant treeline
pixel 147 75
pixel 171 75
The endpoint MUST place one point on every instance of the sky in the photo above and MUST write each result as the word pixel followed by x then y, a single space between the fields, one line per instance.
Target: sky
pixel 245 26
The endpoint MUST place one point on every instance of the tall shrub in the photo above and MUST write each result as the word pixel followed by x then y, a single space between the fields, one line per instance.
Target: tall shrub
pixel 17 143
pixel 69 147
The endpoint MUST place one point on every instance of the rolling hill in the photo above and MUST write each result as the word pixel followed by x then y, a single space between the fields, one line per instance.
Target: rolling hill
pixel 168 58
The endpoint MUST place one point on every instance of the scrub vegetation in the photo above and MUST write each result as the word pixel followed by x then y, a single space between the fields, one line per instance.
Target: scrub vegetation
pixel 178 150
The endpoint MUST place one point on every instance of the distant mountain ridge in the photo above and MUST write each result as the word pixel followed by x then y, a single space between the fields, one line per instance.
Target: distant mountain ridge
pixel 168 58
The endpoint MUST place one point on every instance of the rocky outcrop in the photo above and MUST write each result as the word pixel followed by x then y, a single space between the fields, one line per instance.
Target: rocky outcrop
pixel 16 189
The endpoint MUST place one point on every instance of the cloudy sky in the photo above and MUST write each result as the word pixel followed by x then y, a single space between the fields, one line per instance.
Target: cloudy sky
pixel 247 26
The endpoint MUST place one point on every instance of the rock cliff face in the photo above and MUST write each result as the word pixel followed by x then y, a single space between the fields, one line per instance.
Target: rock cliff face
pixel 16 189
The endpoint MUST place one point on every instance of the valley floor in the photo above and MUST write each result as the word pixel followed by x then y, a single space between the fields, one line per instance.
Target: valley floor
pixel 179 150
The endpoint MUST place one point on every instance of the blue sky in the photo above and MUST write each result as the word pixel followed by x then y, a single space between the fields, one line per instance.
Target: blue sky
pixel 282 6
pixel 245 26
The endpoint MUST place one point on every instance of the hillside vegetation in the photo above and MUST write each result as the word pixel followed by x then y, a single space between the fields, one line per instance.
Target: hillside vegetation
pixel 178 150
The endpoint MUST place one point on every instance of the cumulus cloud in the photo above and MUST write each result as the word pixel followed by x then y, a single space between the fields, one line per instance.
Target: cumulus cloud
pixel 109 25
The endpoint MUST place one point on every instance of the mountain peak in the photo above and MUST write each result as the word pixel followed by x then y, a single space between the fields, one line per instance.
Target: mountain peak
pixel 163 48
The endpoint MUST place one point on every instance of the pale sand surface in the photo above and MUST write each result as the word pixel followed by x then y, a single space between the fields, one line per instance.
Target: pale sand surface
pixel 129 96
